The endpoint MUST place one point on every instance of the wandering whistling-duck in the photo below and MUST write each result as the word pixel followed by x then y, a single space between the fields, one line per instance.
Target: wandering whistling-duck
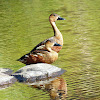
pixel 41 47
pixel 41 56
pixel 57 34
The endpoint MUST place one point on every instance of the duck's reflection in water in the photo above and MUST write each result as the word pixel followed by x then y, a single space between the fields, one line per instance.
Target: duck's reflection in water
pixel 56 87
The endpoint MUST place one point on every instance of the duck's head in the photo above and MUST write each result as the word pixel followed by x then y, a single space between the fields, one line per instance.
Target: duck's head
pixel 54 17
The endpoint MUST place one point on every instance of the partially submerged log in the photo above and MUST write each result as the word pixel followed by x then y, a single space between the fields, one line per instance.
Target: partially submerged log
pixel 37 72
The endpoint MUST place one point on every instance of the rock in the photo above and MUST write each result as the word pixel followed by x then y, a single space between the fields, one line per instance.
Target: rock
pixel 42 82
pixel 5 79
pixel 36 72
pixel 6 71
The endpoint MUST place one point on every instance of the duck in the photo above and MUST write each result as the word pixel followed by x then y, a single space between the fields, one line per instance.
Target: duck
pixel 58 38
pixel 41 56
pixel 57 34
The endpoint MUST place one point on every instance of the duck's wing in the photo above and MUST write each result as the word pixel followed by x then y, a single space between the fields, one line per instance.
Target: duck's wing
pixel 41 45
pixel 35 52
pixel 40 51
pixel 35 57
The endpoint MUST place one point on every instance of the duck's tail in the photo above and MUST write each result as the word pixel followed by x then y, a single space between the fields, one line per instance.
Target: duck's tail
pixel 22 59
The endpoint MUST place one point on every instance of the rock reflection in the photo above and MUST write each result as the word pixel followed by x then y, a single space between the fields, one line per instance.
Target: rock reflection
pixel 56 87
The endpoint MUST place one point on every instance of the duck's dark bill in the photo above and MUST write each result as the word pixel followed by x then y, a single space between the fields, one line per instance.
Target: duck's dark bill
pixel 60 18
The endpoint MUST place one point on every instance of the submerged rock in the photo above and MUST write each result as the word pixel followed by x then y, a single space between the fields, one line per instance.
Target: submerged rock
pixel 36 72
pixel 5 79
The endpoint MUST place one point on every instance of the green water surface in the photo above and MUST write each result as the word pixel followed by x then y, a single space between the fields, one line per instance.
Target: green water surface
pixel 25 23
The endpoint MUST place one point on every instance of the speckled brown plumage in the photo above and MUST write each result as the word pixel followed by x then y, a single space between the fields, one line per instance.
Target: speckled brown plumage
pixel 41 56
pixel 40 53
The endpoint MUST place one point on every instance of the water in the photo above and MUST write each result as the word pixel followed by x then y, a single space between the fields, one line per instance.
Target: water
pixel 25 23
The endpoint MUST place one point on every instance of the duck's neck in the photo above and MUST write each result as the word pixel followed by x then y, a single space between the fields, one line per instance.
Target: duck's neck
pixel 57 33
